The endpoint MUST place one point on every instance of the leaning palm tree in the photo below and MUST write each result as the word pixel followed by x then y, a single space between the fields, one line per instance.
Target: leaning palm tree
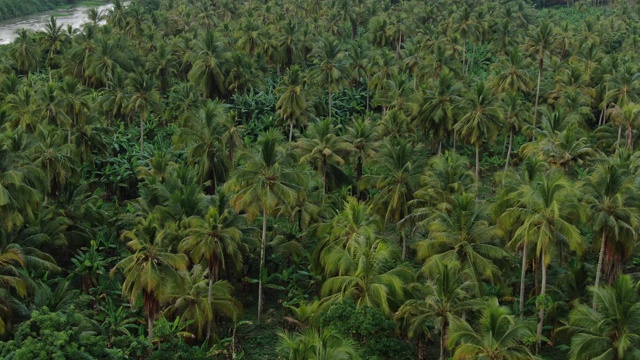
pixel 540 41
pixel 151 272
pixel 263 182
pixel 498 335
pixel 611 329
pixel 210 58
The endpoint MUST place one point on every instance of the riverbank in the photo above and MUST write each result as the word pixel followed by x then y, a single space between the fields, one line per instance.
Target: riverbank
pixel 10 9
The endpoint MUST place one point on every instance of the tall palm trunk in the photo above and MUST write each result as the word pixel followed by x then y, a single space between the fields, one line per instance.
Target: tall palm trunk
pixel 477 161
pixel 330 102
pixel 600 261
pixel 506 163
pixel 543 290
pixel 324 175
pixel 213 276
pixel 629 138
pixel 141 133
pixel 150 330
pixel 263 248
pixel 443 340
pixel 523 274
pixel 535 108
pixel 291 130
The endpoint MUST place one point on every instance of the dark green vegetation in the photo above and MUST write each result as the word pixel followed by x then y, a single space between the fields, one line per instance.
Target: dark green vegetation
pixel 322 180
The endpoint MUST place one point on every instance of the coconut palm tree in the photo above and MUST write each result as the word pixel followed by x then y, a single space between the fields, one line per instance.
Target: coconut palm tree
pixel 497 335
pixel 545 212
pixel 462 233
pixel 395 178
pixel 204 137
pixel 209 239
pixel 611 196
pixel 322 146
pixel 540 42
pixel 293 102
pixel 145 99
pixel 445 294
pixel 610 329
pixel 151 271
pixel 330 69
pixel 483 117
pixel 361 273
pixel 210 59
pixel 263 182
pixel 203 301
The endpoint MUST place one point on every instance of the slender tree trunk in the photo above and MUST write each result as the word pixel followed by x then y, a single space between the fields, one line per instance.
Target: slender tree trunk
pixel 629 138
pixel 464 57
pixel 440 147
pixel 422 347
pixel 523 274
pixel 150 330
pixel 399 46
pixel 324 175
pixel 506 163
pixel 141 133
pixel 543 289
pixel 263 248
pixel 600 261
pixel 209 300
pixel 443 340
pixel 477 162
pixel 619 137
pixel 69 135
pixel 290 131
pixel 404 244
pixel 330 103
pixel 535 108
pixel 367 93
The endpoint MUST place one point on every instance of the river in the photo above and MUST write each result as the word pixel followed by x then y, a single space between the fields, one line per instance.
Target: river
pixel 74 16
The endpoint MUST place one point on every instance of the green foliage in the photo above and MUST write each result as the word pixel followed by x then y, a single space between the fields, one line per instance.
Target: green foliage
pixel 368 327
pixel 58 335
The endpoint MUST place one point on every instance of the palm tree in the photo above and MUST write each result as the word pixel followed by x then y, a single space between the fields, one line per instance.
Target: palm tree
pixel 363 135
pixel 540 41
pixel 204 137
pixel 145 99
pixel 611 196
pixel 439 108
pixel 628 117
pixel 447 294
pixel 264 182
pixel 482 118
pixel 396 179
pixel 209 59
pixel 292 105
pixel 462 233
pixel 545 212
pixel 313 344
pixel 516 115
pixel 322 146
pixel 361 273
pixel 25 52
pixel 203 300
pixel 610 329
pixel 330 68
pixel 151 272
pixel 211 240
pixel 497 335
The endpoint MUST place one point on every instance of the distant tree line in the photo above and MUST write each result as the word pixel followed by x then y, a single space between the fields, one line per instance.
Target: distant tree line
pixel 11 9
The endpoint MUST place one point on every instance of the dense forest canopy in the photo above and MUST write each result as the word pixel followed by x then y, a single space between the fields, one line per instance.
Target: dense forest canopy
pixel 348 179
